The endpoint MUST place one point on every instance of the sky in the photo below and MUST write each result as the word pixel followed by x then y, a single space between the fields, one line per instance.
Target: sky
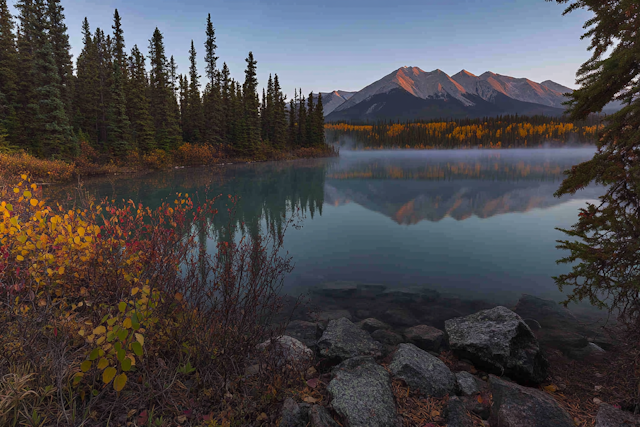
pixel 347 44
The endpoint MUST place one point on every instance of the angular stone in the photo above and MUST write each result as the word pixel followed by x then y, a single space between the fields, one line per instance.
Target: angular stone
pixel 327 316
pixel 343 340
pixel 320 417
pixel 305 332
pixel 608 416
pixel 371 325
pixel 386 337
pixel 400 317
pixel 292 416
pixel 287 350
pixel 457 415
pixel 425 337
pixel 518 406
pixel 361 393
pixel 467 384
pixel 422 371
pixel 500 342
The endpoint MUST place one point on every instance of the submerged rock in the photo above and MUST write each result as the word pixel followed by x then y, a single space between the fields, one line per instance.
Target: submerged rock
pixel 500 342
pixel 400 317
pixel 343 340
pixel 425 337
pixel 371 325
pixel 327 316
pixel 361 393
pixel 608 416
pixel 518 406
pixel 422 371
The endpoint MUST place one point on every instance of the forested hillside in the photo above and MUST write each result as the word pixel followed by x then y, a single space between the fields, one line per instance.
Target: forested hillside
pixel 121 100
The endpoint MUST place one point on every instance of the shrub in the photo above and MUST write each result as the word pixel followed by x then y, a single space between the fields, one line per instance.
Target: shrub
pixel 192 154
pixel 156 159
pixel 122 304
pixel 12 165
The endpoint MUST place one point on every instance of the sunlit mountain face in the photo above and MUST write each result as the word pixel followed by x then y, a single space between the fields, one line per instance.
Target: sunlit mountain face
pixel 481 184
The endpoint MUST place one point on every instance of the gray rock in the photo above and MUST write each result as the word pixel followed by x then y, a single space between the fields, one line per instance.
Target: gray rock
pixel 422 371
pixel 343 340
pixel 548 314
pixel 457 415
pixel 287 350
pixel 590 349
pixel 467 384
pixel 320 417
pixel 480 408
pixel 327 316
pixel 410 294
pixel 562 339
pixel 386 337
pixel 400 317
pixel 292 416
pixel 371 325
pixel 305 332
pixel 608 416
pixel 338 289
pixel 425 337
pixel 518 406
pixel 500 342
pixel 361 393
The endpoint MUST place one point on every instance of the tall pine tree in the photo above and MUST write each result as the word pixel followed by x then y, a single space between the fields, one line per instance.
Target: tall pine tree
pixel 193 119
pixel 8 77
pixel 59 38
pixel 142 130
pixel 87 87
pixel 251 108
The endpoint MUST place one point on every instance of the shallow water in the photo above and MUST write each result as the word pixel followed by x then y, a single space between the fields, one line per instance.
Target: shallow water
pixel 473 224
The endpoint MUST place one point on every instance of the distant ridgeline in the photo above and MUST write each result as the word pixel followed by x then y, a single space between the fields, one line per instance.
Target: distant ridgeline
pixel 118 104
pixel 492 132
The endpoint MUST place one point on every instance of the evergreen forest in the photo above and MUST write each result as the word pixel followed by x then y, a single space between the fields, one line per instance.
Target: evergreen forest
pixel 120 100
pixel 508 131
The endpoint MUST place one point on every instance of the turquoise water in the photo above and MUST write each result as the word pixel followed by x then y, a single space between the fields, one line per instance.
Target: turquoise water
pixel 476 224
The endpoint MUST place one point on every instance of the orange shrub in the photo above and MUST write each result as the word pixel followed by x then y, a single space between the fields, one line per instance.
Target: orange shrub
pixel 12 165
pixel 192 154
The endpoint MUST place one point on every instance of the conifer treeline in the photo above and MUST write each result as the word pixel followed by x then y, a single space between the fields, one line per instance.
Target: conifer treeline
pixel 117 104
pixel 489 132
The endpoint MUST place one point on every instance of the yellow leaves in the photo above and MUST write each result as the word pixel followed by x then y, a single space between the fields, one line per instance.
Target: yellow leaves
pixel 100 330
pixel 23 176
pixel 135 291
pixel 127 323
pixel 61 271
pixel 20 258
pixel 81 231
pixel 76 240
pixel 103 363
pixel 108 374
pixel 551 388
pixel 140 339
pixel 85 366
pixel 34 202
pixel 119 382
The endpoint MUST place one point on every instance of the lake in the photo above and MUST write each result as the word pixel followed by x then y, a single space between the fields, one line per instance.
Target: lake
pixel 470 224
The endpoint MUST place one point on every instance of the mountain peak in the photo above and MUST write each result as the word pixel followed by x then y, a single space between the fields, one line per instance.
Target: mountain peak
pixel 464 72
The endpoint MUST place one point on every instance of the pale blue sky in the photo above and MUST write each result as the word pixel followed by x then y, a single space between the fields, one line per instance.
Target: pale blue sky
pixel 349 44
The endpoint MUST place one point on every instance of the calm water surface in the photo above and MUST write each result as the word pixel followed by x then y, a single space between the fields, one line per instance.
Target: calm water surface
pixel 476 224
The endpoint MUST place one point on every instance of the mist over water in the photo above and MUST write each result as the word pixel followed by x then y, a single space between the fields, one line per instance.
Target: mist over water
pixel 473 224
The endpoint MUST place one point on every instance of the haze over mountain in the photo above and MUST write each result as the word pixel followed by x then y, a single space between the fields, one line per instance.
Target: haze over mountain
pixel 412 93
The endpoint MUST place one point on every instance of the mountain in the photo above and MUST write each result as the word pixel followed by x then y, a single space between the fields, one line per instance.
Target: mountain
pixel 332 100
pixel 611 107
pixel 411 93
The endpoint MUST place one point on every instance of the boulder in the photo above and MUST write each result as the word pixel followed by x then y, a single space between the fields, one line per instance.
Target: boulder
pixel 287 349
pixel 361 393
pixel 590 349
pixel 500 342
pixel 480 407
pixel 386 337
pixel 343 340
pixel 292 415
pixel 422 371
pixel 468 384
pixel 371 325
pixel 305 332
pixel 400 317
pixel 548 314
pixel 518 406
pixel 457 415
pixel 320 417
pixel 425 337
pixel 608 416
pixel 326 316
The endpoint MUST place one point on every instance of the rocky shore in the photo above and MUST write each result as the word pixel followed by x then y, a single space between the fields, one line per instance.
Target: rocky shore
pixel 496 383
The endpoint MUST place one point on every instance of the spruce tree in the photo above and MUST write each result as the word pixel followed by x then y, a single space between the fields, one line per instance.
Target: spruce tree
pixel 293 120
pixel 87 97
pixel 225 107
pixel 301 131
pixel 193 122
pixel 311 123
pixel 119 54
pixel 105 80
pixel 604 244
pixel 8 76
pixel 251 108
pixel 319 122
pixel 59 38
pixel 279 116
pixel 210 47
pixel 161 96
pixel 119 126
pixel 142 130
